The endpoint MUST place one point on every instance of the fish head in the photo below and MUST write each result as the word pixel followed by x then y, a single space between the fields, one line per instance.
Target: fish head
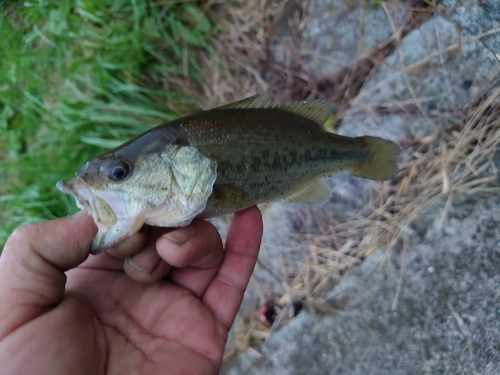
pixel 168 187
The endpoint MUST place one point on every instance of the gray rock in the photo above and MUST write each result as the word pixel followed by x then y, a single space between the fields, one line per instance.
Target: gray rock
pixel 477 17
pixel 433 309
pixel 417 102
pixel 337 35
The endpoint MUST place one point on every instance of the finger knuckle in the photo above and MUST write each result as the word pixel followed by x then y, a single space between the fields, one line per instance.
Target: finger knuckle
pixel 21 234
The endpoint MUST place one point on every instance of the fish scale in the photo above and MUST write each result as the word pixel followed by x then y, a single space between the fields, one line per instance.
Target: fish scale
pixel 268 143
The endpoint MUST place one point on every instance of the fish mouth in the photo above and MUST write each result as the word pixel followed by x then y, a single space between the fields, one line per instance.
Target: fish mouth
pixel 87 198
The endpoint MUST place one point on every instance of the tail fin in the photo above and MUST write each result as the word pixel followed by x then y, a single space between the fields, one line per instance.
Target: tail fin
pixel 380 160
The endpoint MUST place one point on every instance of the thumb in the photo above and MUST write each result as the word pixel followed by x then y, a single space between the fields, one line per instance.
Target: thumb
pixel 33 263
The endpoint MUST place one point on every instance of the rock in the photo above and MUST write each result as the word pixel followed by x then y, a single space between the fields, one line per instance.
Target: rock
pixel 394 105
pixel 338 34
pixel 475 18
pixel 432 309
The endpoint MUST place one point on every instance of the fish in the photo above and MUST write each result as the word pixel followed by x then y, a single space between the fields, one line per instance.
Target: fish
pixel 221 161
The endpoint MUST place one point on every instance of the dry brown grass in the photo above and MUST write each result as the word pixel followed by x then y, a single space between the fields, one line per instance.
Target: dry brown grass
pixel 452 161
pixel 242 46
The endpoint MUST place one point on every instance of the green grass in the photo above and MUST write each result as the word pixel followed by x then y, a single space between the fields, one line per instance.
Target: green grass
pixel 76 79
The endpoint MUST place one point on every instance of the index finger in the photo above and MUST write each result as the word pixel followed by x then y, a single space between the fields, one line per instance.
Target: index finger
pixel 225 293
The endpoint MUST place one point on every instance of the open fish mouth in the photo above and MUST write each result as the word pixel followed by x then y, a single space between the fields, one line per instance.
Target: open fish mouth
pixel 87 198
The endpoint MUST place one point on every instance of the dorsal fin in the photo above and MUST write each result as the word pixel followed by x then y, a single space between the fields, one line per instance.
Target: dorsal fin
pixel 316 110
pixel 256 101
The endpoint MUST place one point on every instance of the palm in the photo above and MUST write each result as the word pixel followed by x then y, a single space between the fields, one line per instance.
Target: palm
pixel 150 328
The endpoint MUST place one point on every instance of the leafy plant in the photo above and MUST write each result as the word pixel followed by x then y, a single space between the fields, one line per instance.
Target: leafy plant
pixel 77 78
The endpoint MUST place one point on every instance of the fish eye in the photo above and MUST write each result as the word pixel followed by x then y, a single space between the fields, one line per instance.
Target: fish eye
pixel 119 170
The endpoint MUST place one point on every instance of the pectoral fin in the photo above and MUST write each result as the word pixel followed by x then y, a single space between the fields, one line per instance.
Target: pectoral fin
pixel 316 193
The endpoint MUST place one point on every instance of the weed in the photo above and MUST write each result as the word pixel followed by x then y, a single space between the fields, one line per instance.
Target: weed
pixel 77 78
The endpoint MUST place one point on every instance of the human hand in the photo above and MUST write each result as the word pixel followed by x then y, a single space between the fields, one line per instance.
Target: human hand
pixel 63 312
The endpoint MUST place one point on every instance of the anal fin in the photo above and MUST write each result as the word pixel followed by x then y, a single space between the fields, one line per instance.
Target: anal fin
pixel 316 193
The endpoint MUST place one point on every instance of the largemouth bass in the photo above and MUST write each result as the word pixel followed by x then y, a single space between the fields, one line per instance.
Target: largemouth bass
pixel 221 161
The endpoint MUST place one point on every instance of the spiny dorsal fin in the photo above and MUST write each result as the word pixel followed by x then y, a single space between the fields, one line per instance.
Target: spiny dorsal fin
pixel 317 110
pixel 316 193
pixel 256 101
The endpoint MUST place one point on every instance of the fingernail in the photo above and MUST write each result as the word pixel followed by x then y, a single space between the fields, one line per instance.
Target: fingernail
pixel 181 235
pixel 145 264
pixel 78 214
